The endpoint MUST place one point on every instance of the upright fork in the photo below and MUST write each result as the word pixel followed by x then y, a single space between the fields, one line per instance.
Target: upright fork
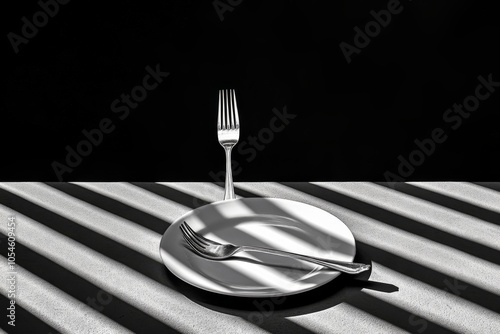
pixel 228 132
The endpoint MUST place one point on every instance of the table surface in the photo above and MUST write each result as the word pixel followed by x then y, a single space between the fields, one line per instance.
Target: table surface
pixel 87 260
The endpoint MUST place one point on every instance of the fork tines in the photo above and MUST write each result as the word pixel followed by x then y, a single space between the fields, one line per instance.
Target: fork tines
pixel 228 110
pixel 192 238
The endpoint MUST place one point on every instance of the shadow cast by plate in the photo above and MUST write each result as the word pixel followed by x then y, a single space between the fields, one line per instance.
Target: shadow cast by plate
pixel 320 298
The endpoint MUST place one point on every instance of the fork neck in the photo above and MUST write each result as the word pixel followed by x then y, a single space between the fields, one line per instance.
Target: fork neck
pixel 227 146
pixel 228 185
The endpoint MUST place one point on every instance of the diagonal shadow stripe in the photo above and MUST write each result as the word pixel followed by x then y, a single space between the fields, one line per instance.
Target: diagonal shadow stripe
pixel 393 314
pixel 449 202
pixel 172 194
pixel 111 205
pixel 398 221
pixel 120 253
pixel 489 185
pixel 26 322
pixel 429 276
pixel 81 289
pixel 244 193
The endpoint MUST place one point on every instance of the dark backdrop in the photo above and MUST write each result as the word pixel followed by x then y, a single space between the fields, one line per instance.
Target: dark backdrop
pixel 353 120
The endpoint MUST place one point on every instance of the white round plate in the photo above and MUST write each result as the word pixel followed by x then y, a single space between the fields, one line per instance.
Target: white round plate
pixel 269 222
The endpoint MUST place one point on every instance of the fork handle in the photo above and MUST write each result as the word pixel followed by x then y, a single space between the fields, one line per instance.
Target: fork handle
pixel 345 267
pixel 228 186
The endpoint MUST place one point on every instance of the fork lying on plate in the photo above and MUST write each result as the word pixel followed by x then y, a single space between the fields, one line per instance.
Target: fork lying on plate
pixel 216 251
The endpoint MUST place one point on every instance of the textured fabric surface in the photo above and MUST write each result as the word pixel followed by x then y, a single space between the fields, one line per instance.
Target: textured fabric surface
pixel 87 260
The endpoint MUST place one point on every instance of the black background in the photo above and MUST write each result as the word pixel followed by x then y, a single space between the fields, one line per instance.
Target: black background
pixel 352 120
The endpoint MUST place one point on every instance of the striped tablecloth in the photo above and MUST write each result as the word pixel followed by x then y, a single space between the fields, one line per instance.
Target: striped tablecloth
pixel 87 260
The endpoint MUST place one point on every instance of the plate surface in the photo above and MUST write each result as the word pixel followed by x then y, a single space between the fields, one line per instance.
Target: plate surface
pixel 269 222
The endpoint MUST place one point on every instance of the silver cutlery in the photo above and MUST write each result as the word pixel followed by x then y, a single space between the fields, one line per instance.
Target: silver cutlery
pixel 228 132
pixel 216 251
